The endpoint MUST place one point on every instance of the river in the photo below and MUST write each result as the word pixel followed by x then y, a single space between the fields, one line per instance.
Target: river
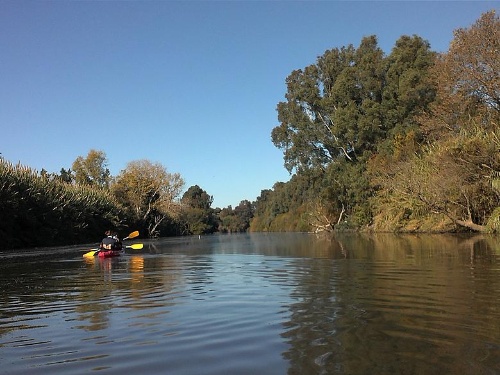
pixel 259 303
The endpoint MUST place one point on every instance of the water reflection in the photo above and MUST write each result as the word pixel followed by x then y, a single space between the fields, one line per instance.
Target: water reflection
pixel 259 303
pixel 133 283
pixel 402 309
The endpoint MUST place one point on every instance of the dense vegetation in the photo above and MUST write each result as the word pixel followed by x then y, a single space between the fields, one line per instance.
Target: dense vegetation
pixel 79 204
pixel 404 142
pixel 38 209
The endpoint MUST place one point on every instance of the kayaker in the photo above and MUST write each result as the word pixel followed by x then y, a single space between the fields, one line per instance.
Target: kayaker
pixel 111 241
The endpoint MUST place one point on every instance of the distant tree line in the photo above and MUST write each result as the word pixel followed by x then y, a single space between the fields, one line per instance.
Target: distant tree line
pixel 404 142
pixel 78 204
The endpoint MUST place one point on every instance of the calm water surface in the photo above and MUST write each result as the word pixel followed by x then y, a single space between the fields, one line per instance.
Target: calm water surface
pixel 256 304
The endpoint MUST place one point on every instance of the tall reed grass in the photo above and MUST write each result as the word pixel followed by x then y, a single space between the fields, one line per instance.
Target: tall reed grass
pixel 42 210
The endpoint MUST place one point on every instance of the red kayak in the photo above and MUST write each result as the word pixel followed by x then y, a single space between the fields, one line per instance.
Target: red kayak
pixel 109 253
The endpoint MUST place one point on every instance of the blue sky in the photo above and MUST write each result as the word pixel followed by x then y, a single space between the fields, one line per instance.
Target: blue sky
pixel 190 84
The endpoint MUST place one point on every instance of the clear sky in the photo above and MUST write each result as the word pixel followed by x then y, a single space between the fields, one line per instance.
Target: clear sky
pixel 190 84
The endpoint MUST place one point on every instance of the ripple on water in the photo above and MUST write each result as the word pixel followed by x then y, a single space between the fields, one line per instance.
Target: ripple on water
pixel 251 313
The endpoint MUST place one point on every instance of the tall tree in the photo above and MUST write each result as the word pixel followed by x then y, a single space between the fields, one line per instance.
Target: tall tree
pixel 345 104
pixel 408 88
pixel 92 170
pixel 455 174
pixel 237 219
pixel 333 108
pixel 197 214
pixel 465 118
pixel 468 80
pixel 150 192
pixel 342 109
pixel 196 197
pixel 243 213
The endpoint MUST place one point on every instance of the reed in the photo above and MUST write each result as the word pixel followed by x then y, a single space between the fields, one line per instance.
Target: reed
pixel 42 210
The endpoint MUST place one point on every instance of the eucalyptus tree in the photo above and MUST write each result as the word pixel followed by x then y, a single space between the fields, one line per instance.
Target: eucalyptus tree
pixel 333 107
pixel 344 105
pixel 409 88
pixel 341 109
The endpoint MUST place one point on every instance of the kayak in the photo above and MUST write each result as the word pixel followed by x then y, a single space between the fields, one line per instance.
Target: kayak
pixel 103 253
pixel 109 253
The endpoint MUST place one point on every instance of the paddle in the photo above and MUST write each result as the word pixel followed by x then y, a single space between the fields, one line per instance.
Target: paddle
pixel 136 246
pixel 91 253
pixel 94 252
pixel 132 235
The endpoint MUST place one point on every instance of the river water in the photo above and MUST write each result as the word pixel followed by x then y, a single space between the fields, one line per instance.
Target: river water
pixel 256 304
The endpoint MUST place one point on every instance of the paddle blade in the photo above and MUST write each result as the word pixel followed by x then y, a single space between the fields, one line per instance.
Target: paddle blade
pixel 132 235
pixel 136 246
pixel 90 254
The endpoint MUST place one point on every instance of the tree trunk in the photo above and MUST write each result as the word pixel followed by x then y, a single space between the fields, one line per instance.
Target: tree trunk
pixel 469 224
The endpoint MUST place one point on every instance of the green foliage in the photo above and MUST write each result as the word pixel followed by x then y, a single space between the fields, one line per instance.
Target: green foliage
pixel 198 221
pixel 347 103
pixel 149 194
pixel 404 142
pixel 338 114
pixel 347 187
pixel 408 88
pixel 409 141
pixel 197 215
pixel 91 170
pixel 36 210
pixel 237 219
pixel 493 223
pixel 196 197
pixel 454 174
pixel 284 207
pixel 66 175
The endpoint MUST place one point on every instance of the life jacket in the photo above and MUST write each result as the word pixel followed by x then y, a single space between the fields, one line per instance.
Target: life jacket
pixel 111 243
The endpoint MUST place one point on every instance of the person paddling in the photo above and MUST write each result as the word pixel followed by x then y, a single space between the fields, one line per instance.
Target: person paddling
pixel 110 242
pixel 111 245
